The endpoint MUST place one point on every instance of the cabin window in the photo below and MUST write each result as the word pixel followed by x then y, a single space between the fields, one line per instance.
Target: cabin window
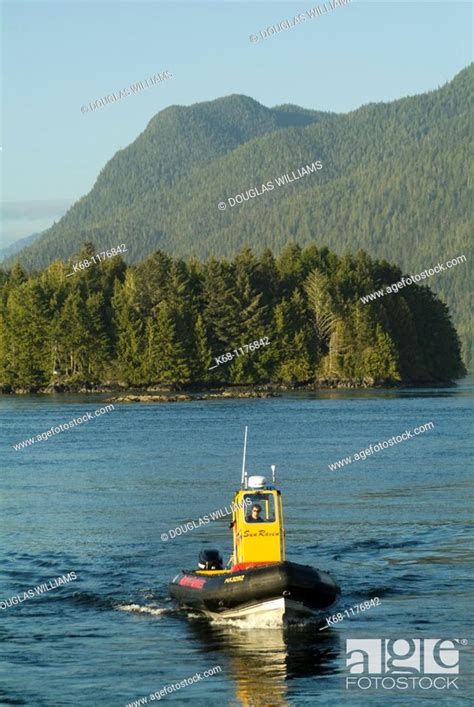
pixel 260 508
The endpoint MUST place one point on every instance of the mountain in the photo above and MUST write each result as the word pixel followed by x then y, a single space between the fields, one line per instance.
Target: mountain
pixel 393 182
pixel 17 246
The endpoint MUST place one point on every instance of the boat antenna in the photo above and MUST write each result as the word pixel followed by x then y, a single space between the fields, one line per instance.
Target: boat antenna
pixel 273 472
pixel 244 474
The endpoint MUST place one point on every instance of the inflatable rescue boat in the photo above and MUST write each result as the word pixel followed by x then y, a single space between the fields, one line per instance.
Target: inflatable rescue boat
pixel 260 581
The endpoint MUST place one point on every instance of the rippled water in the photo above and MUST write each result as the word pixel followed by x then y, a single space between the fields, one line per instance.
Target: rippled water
pixel 96 499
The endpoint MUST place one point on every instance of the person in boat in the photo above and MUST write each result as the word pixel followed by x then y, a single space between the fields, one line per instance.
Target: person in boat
pixel 254 516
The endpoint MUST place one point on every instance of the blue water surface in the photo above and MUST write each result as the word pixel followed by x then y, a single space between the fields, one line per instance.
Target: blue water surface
pixel 95 500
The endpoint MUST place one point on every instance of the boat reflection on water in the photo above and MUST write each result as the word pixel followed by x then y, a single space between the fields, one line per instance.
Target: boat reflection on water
pixel 262 661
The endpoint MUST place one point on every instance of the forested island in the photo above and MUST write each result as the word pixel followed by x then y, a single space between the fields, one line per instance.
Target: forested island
pixel 165 321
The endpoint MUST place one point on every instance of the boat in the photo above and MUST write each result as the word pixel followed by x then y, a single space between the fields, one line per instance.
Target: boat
pixel 259 583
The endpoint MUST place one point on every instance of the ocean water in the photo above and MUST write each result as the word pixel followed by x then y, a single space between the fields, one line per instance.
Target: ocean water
pixel 96 499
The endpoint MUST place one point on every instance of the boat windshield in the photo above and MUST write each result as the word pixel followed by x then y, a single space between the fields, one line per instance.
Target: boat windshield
pixel 261 508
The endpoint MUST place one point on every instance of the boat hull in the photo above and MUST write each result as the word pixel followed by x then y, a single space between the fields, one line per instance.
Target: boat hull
pixel 283 591
pixel 274 612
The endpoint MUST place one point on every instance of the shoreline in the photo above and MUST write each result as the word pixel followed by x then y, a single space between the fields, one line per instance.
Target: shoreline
pixel 167 393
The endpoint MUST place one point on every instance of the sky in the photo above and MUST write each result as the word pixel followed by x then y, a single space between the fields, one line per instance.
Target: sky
pixel 58 56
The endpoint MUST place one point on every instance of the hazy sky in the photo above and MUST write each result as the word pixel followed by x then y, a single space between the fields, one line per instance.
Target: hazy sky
pixel 58 56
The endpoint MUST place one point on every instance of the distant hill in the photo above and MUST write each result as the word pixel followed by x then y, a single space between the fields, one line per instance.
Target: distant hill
pixel 18 245
pixel 393 182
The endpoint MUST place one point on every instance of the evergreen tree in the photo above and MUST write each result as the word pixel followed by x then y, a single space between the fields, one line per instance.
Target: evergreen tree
pixel 203 358
pixel 333 364
pixel 322 305
pixel 380 359
pixel 17 276
pixel 99 350
pixel 129 332
pixel 221 307
pixel 25 339
pixel 70 337
pixel 165 357
pixel 293 341
pixel 295 366
pixel 252 321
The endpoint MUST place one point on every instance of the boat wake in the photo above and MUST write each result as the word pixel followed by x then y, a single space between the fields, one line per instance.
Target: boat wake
pixel 141 609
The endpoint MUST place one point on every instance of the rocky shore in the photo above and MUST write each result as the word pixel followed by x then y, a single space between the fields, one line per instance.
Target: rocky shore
pixel 185 397
pixel 164 393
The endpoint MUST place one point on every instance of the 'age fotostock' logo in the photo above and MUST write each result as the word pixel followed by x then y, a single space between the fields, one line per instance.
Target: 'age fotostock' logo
pixel 403 663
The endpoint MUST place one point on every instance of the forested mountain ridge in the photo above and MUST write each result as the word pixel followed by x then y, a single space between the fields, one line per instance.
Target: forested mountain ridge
pixel 178 140
pixel 393 182
pixel 297 318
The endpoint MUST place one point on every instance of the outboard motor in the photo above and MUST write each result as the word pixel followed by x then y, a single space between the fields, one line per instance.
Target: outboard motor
pixel 210 560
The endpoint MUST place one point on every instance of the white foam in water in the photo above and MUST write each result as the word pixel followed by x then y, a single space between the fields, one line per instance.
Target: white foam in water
pixel 257 621
pixel 139 609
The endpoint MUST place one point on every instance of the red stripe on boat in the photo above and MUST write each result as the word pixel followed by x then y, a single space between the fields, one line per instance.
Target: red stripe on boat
pixel 194 582
pixel 248 565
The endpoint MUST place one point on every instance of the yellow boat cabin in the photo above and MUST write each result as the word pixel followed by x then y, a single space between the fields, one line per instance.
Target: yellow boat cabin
pixel 259 535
